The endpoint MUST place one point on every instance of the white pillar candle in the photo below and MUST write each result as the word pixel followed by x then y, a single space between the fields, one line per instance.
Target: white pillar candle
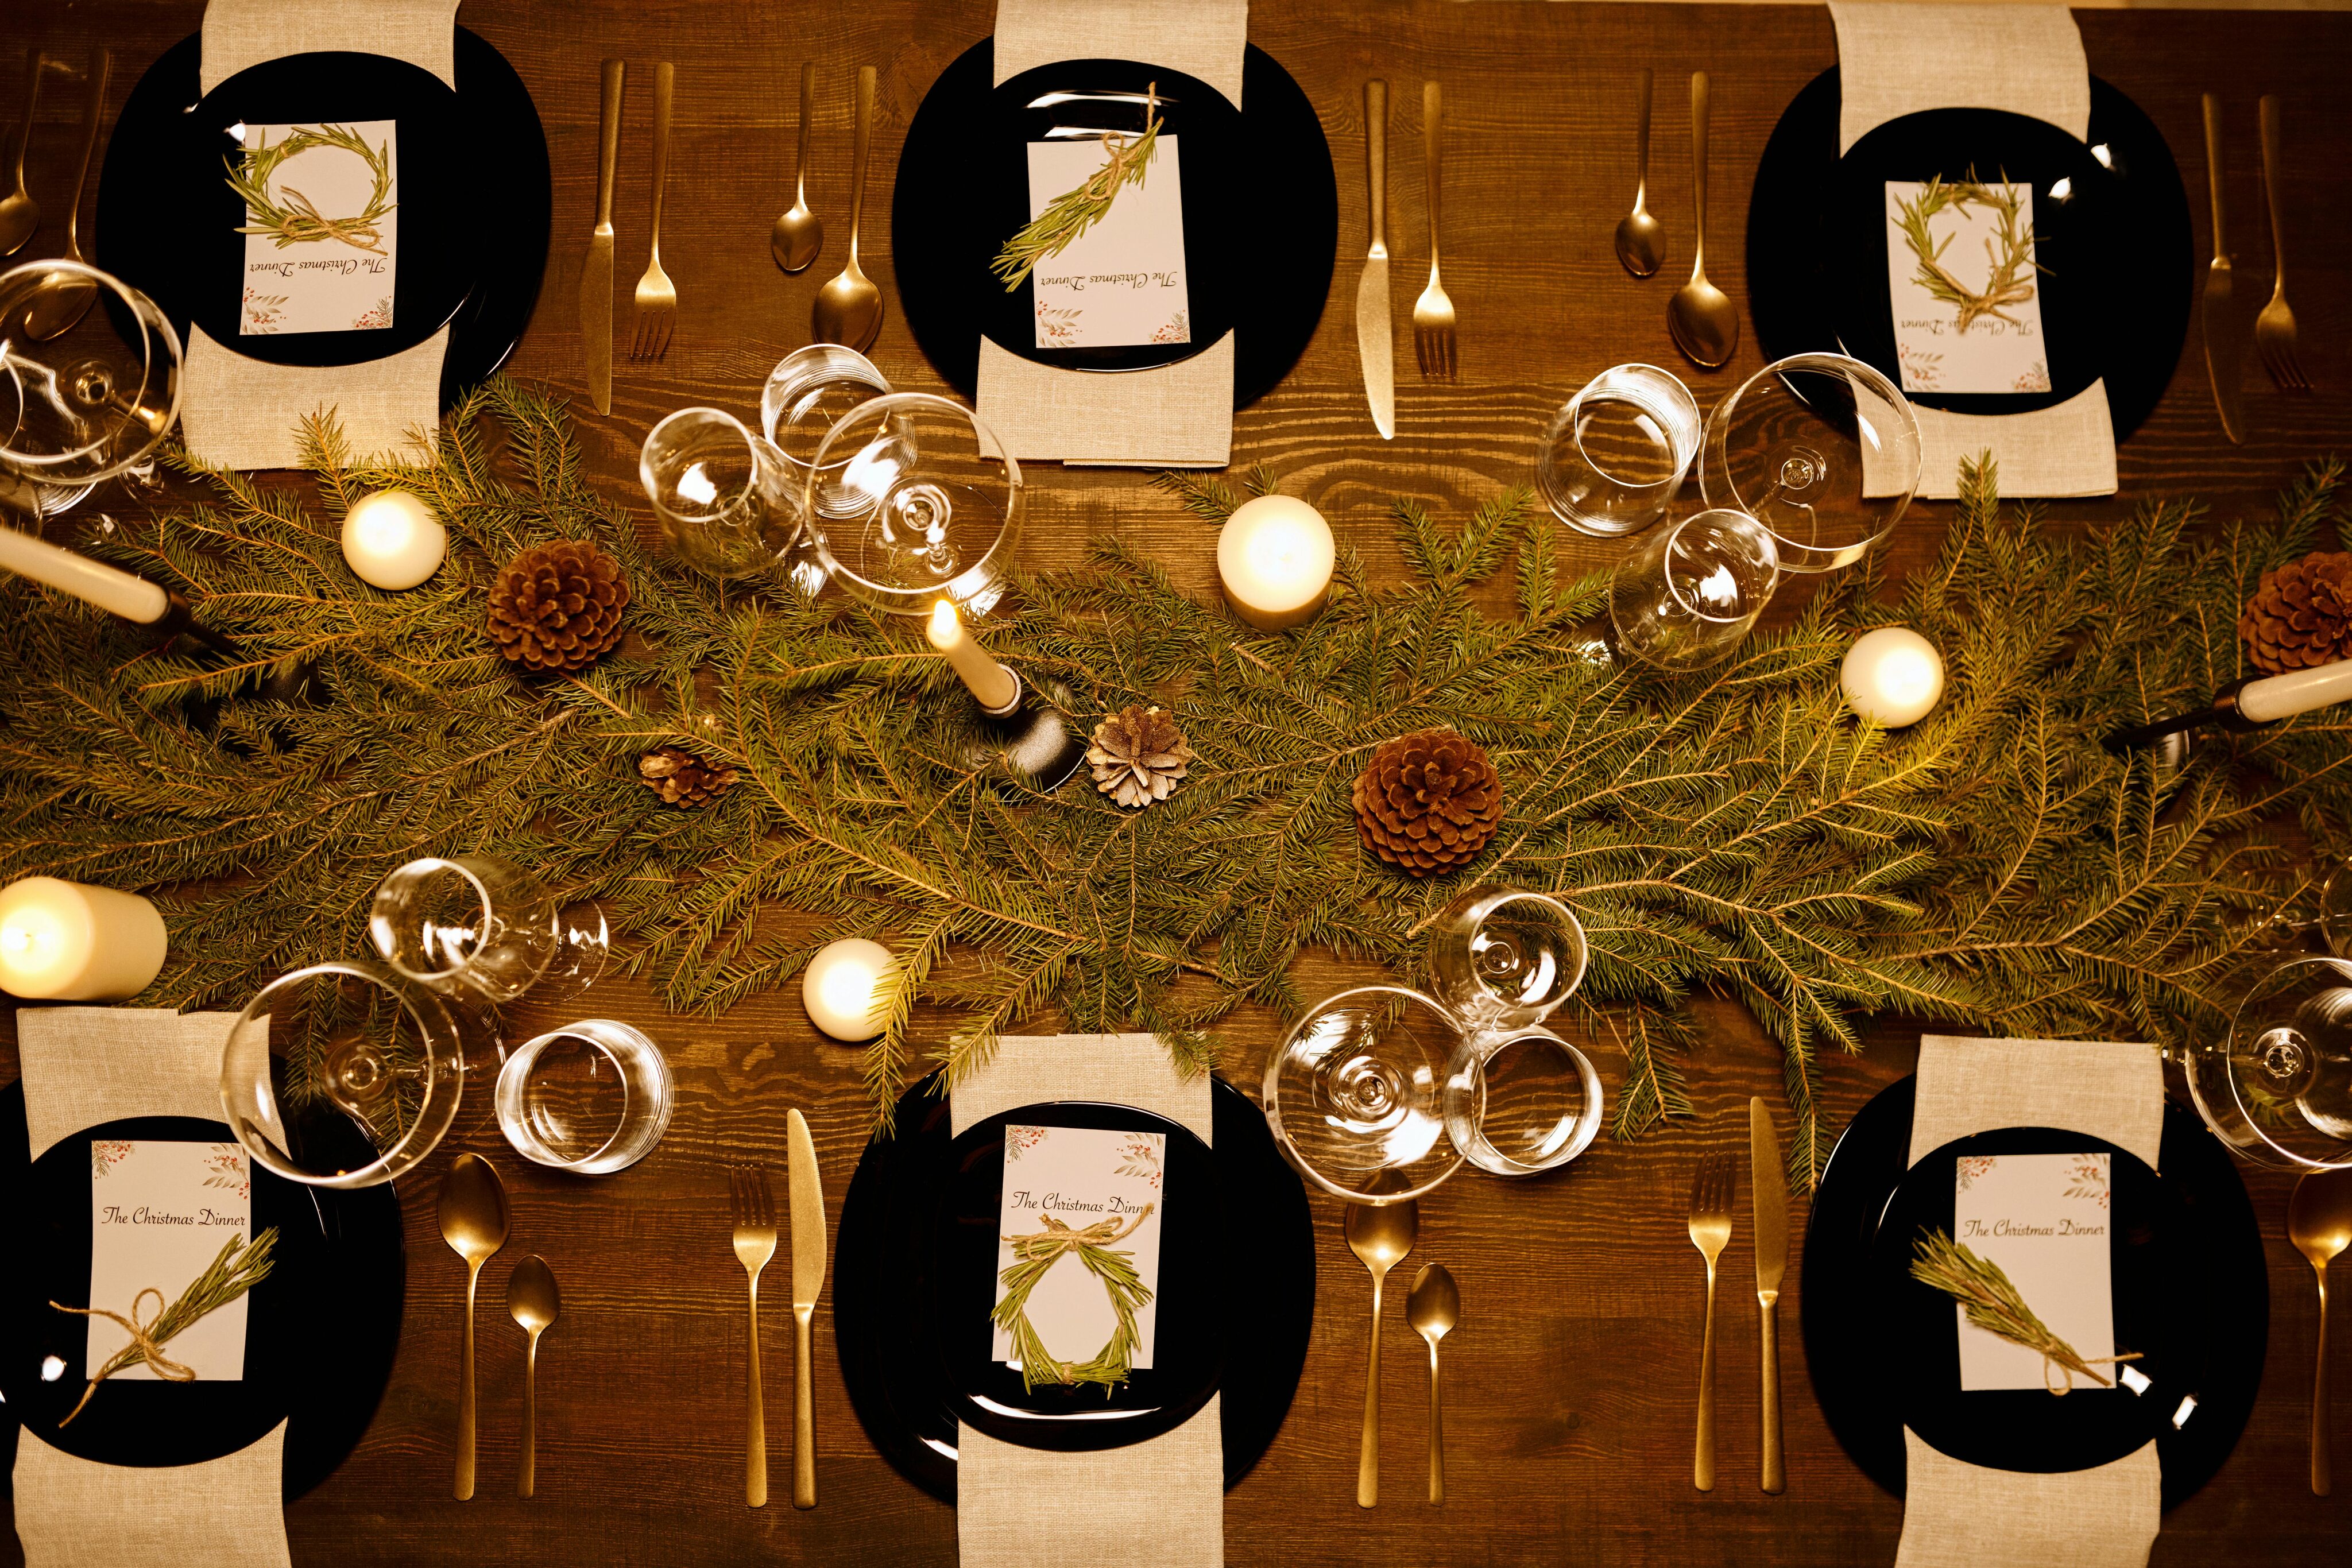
pixel 119 593
pixel 842 989
pixel 67 942
pixel 991 681
pixel 1893 676
pixel 2298 691
pixel 393 541
pixel 1273 557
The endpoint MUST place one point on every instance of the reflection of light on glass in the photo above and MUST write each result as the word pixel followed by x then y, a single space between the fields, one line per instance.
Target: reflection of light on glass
pixel 237 133
pixel 1869 430
pixel 1718 590
pixel 694 485
pixel 2064 189
pixel 2188 1408
pixel 52 1368
pixel 2132 1378
pixel 871 473
pixel 2107 159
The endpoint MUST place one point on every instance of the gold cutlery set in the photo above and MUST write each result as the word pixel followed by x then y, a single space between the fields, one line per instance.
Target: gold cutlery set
pixel 474 1222
pixel 1380 1236
pixel 1432 314
pixel 1701 318
pixel 1710 1232
pixel 754 1206
pixel 2223 318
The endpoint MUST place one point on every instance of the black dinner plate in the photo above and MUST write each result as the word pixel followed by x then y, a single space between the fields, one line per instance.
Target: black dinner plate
pixel 319 1337
pixel 1261 214
pixel 474 198
pixel 2111 227
pixel 911 1376
pixel 2191 1292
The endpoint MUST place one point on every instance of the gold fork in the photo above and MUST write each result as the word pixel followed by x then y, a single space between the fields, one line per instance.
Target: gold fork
pixel 1710 1231
pixel 2274 327
pixel 755 1243
pixel 1433 313
pixel 656 296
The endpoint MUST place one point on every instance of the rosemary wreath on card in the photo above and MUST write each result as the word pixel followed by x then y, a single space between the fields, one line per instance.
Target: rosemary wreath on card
pixel 1076 210
pixel 1995 1306
pixel 296 220
pixel 1034 1254
pixel 2011 252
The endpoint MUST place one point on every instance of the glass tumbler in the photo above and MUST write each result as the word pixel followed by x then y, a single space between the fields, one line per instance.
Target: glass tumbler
pixel 811 391
pixel 1521 1102
pixel 1352 1094
pixel 1686 597
pixel 591 1098
pixel 1502 958
pixel 1615 455
pixel 728 502
pixel 479 926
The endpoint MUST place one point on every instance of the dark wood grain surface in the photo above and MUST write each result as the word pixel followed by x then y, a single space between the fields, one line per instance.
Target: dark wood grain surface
pixel 1571 1378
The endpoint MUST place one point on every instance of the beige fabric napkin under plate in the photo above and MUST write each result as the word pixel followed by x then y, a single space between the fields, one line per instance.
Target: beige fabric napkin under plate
pixel 1958 1515
pixel 1181 417
pixel 1901 58
pixel 83 1066
pixel 1156 1505
pixel 240 413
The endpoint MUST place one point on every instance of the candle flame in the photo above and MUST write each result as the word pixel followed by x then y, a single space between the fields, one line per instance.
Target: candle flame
pixel 944 622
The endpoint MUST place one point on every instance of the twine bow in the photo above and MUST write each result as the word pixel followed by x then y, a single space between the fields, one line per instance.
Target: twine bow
pixel 1038 1251
pixel 1057 1237
pixel 144 1346
pixel 238 1269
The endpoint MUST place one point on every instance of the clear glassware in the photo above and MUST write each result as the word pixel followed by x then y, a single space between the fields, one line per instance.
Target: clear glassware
pixel 1520 1101
pixel 2335 912
pixel 89 383
pixel 811 391
pixel 728 502
pixel 591 1098
pixel 1822 450
pixel 1686 596
pixel 927 505
pixel 1352 1094
pixel 481 926
pixel 1614 457
pixel 344 1074
pixel 1502 958
pixel 2278 1087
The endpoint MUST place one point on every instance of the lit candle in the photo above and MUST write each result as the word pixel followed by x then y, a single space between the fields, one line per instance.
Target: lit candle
pixel 1273 557
pixel 2299 691
pixel 393 541
pixel 67 942
pixel 118 592
pixel 842 989
pixel 1893 676
pixel 991 681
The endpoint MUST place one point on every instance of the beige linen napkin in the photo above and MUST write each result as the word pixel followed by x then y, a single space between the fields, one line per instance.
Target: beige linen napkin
pixel 83 1066
pixel 1958 1515
pixel 1156 1505
pixel 1181 417
pixel 240 413
pixel 1900 58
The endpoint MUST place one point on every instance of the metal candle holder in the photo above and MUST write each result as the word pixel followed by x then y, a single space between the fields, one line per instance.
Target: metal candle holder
pixel 1033 739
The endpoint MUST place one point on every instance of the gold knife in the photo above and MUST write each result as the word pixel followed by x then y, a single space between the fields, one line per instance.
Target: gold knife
pixel 808 1282
pixel 1375 336
pixel 1767 1195
pixel 596 272
pixel 2225 333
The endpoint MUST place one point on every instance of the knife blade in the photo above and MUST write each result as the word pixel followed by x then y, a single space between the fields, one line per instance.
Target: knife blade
pixel 1767 1198
pixel 2224 326
pixel 808 1282
pixel 596 271
pixel 1375 333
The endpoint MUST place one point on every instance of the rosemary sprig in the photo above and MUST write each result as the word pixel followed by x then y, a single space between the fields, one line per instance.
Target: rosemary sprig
pixel 1035 1254
pixel 238 1270
pixel 1994 1305
pixel 2012 263
pixel 1075 211
pixel 297 220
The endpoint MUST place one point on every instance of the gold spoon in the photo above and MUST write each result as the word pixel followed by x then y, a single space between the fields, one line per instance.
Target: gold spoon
pixel 2319 1223
pixel 1432 1309
pixel 533 1302
pixel 1641 238
pixel 64 299
pixel 1705 323
pixel 799 235
pixel 474 1224
pixel 19 213
pixel 849 307
pixel 1381 1234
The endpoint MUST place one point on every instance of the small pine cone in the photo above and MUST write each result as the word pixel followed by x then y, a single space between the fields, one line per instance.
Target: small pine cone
pixel 683 779
pixel 557 606
pixel 2301 614
pixel 1429 801
pixel 1138 755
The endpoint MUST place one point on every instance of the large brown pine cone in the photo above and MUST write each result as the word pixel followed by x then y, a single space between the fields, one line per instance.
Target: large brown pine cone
pixel 557 606
pixel 681 778
pixel 2300 614
pixel 1429 801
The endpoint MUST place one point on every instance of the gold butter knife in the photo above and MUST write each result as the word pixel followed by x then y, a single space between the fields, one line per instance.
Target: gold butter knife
pixel 808 1282
pixel 1375 331
pixel 2225 333
pixel 596 272
pixel 1769 1195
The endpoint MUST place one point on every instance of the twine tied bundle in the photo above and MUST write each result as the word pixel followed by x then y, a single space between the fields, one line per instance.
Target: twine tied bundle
pixel 1036 1253
pixel 1995 1306
pixel 236 1271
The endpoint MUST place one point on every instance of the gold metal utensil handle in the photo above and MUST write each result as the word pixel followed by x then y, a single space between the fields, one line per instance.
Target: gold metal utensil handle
pixel 1367 1464
pixel 1776 1479
pixel 1437 1427
pixel 2270 113
pixel 464 1487
pixel 1376 160
pixel 527 1478
pixel 1703 1455
pixel 755 1437
pixel 2213 168
pixel 1698 174
pixel 2322 1472
pixel 1431 105
pixel 608 138
pixel 864 142
pixel 804 1410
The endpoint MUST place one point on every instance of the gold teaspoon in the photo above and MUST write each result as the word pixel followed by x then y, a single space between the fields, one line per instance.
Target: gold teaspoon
pixel 1381 1234
pixel 849 306
pixel 66 298
pixel 799 234
pixel 19 213
pixel 2319 1223
pixel 533 1302
pixel 474 1224
pixel 1703 321
pixel 1641 238
pixel 1432 1309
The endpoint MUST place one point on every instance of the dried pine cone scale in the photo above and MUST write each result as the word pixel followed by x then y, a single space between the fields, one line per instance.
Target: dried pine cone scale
pixel 681 778
pixel 1138 755
pixel 557 606
pixel 1429 801
pixel 2300 614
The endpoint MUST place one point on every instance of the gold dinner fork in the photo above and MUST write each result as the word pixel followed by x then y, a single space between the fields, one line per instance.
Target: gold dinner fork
pixel 1710 1231
pixel 755 1243
pixel 1433 313
pixel 2274 327
pixel 656 296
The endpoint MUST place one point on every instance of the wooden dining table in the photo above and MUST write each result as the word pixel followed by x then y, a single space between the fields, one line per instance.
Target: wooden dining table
pixel 1572 1380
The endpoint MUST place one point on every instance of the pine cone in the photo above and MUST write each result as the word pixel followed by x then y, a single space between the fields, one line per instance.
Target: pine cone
pixel 2300 614
pixel 1429 801
pixel 1138 755
pixel 683 779
pixel 557 606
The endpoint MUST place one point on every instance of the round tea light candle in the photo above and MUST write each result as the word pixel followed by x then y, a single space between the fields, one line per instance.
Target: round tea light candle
pixel 64 941
pixel 393 541
pixel 1893 676
pixel 1274 558
pixel 842 989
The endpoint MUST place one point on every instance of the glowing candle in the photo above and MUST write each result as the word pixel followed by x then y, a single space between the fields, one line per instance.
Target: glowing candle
pixel 991 681
pixel 67 942
pixel 1893 676
pixel 118 592
pixel 2298 691
pixel 1273 557
pixel 393 541
pixel 842 989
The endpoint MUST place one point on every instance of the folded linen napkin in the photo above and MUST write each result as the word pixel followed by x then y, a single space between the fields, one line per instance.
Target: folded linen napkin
pixel 83 1066
pixel 1958 1515
pixel 241 413
pixel 1900 58
pixel 1177 416
pixel 1155 1504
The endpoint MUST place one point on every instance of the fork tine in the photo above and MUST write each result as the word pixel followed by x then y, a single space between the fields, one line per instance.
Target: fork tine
pixel 668 321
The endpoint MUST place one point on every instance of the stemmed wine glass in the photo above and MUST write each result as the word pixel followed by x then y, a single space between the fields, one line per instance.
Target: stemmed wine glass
pixel 727 500
pixel 1691 592
pixel 910 499
pixel 2278 1087
pixel 1352 1094
pixel 482 931
pixel 1822 450
pixel 89 383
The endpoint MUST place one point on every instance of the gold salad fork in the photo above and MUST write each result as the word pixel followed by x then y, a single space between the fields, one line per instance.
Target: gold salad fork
pixel 2274 327
pixel 1433 313
pixel 1710 1231
pixel 657 295
pixel 755 1243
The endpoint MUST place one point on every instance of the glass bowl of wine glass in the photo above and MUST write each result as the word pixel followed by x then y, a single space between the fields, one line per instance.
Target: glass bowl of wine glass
pixel 1822 450
pixel 1354 1090
pixel 919 502
pixel 2278 1087
pixel 89 383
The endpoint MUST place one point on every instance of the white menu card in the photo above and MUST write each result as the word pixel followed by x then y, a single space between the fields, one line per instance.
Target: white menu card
pixel 159 1213
pixel 1082 1176
pixel 2043 1219
pixel 1967 236
pixel 334 283
pixel 1121 282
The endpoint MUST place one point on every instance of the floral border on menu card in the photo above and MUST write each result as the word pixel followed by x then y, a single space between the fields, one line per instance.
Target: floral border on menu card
pixel 105 1154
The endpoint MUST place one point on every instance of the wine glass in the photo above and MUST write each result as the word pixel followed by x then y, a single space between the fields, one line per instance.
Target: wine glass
pixel 1501 958
pixel 2278 1087
pixel 1819 448
pixel 807 393
pixel 727 500
pixel 1686 597
pixel 1352 1094
pixel 480 926
pixel 89 383
pixel 927 507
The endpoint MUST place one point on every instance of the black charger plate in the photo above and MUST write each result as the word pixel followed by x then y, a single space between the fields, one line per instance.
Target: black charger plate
pixel 2191 1292
pixel 903 1259
pixel 1261 214
pixel 2122 270
pixel 474 196
pixel 319 1336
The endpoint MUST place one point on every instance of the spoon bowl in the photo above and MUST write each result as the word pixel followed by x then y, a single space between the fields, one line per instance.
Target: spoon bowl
pixel 1704 322
pixel 474 1224
pixel 799 234
pixel 1641 241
